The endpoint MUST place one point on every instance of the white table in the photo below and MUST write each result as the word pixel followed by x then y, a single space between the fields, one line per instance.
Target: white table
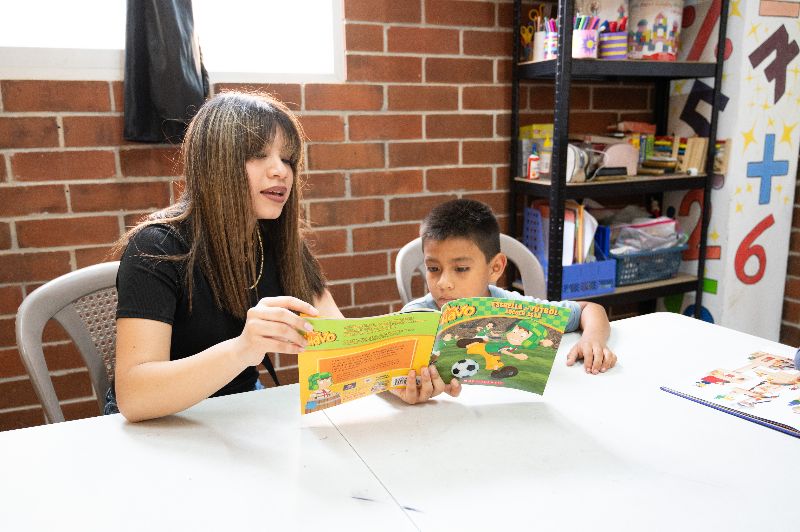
pixel 237 463
pixel 608 452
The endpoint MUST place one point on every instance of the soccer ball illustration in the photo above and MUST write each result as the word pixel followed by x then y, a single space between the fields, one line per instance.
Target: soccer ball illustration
pixel 465 368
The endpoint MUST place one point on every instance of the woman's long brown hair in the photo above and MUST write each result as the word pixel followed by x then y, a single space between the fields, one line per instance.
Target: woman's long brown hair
pixel 228 130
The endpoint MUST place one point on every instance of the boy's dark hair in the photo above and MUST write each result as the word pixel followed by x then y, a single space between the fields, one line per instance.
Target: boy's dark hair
pixel 463 218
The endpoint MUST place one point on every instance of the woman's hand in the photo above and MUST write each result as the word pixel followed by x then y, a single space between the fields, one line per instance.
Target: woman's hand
pixel 431 385
pixel 272 327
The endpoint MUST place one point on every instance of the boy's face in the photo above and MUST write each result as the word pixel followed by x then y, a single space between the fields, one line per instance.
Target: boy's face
pixel 456 267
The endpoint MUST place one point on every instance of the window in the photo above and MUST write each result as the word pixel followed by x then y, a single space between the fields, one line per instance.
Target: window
pixel 244 41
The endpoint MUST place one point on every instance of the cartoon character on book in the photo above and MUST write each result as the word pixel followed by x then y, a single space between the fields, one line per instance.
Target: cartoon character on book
pixel 763 392
pixel 321 395
pixel 720 376
pixel 447 340
pixel 487 332
pixel 522 334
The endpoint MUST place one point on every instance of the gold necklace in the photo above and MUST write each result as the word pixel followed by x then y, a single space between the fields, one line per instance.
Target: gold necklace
pixel 261 267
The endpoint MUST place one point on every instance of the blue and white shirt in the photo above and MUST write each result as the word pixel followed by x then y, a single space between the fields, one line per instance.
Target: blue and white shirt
pixel 574 322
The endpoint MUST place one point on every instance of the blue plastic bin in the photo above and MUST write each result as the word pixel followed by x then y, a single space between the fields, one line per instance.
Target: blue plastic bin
pixel 646 266
pixel 577 280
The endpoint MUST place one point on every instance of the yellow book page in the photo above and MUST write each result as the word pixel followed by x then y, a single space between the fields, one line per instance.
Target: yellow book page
pixel 347 359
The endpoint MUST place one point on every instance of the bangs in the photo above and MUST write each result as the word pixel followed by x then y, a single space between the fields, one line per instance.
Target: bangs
pixel 265 119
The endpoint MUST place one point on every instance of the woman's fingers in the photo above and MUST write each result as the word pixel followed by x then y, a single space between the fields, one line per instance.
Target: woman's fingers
pixel 275 331
pixel 290 303
pixel 276 314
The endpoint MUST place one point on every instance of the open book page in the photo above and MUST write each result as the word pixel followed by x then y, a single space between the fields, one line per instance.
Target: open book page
pixel 499 342
pixel 346 359
pixel 765 389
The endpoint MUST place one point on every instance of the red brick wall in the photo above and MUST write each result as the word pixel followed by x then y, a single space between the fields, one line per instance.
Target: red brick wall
pixel 423 117
pixel 790 326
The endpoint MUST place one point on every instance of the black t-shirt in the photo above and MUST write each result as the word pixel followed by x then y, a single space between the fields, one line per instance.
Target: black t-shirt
pixel 155 289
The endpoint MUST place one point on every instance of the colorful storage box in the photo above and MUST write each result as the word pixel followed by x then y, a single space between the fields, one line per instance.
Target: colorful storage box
pixel 577 280
pixel 654 29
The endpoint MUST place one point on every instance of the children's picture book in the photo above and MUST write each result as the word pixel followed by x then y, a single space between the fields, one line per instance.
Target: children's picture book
pixel 482 340
pixel 765 390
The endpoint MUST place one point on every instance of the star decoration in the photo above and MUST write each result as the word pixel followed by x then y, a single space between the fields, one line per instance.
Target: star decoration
pixel 749 137
pixel 749 188
pixel 770 121
pixel 734 12
pixel 765 105
pixel 787 133
pixel 739 207
pixel 679 86
pixel 738 190
pixel 753 31
pixel 779 188
pixel 795 71
pixel 714 235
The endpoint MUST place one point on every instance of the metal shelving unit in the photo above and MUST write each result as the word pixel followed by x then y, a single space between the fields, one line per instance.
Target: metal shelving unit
pixel 563 70
pixel 643 185
pixel 599 69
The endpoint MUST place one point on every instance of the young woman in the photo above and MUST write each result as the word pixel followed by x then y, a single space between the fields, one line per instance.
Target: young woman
pixel 211 284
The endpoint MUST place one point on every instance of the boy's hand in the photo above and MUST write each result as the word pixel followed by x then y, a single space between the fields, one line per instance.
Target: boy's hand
pixel 597 357
pixel 431 385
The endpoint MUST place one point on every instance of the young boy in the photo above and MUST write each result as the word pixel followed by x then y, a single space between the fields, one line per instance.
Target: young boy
pixel 461 244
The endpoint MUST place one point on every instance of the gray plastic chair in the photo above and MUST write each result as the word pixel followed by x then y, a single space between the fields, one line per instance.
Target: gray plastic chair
pixel 84 302
pixel 410 259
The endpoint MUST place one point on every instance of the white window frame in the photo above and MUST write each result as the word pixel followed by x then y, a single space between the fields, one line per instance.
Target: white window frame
pixel 108 65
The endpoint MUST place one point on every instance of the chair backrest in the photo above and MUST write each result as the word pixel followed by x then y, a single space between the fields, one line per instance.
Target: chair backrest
pixel 410 258
pixel 84 302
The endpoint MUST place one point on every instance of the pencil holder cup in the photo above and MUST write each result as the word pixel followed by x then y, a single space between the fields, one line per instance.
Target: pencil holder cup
pixel 613 46
pixel 545 45
pixel 538 46
pixel 584 44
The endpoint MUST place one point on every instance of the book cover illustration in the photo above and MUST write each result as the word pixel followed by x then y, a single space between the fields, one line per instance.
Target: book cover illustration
pixel 499 342
pixel 765 390
pixel 346 359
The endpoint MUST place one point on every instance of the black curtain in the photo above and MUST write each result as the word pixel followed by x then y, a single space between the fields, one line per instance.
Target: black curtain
pixel 165 81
